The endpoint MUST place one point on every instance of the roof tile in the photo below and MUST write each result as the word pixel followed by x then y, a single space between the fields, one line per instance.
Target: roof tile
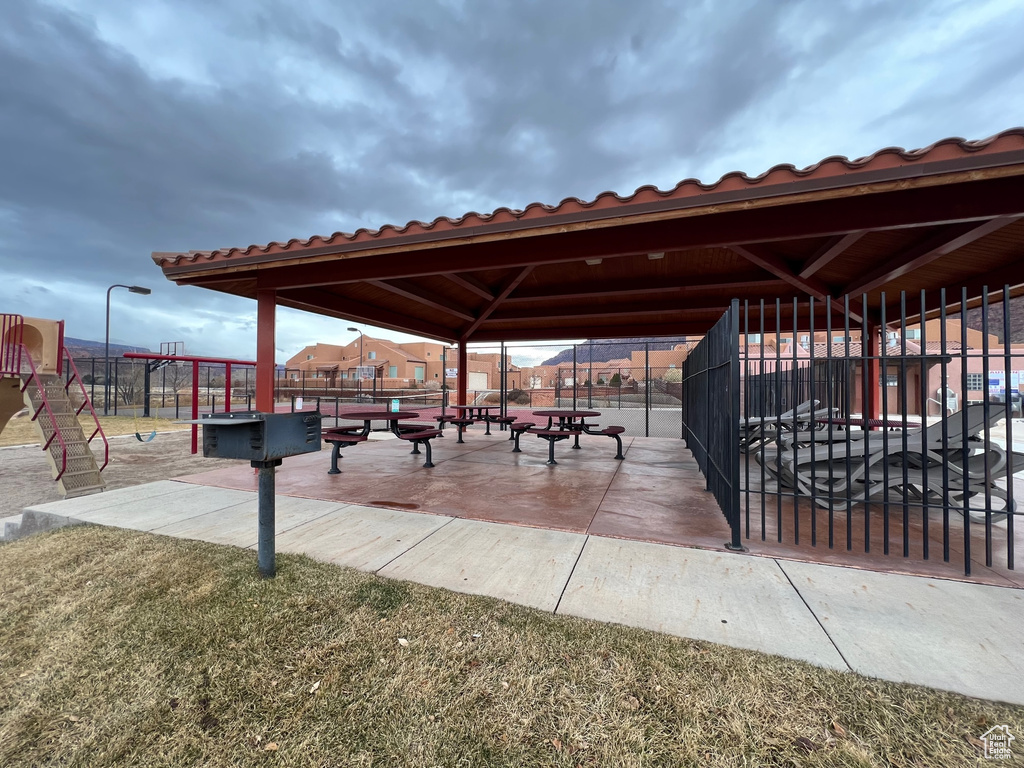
pixel 835 165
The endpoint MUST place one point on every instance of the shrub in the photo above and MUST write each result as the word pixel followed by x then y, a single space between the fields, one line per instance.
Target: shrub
pixel 672 375
pixel 616 380
pixel 519 397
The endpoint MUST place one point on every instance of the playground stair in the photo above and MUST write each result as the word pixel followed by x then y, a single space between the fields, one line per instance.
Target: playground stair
pixel 61 434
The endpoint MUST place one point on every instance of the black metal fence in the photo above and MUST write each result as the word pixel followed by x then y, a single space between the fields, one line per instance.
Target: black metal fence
pixel 711 409
pixel 122 387
pixel 868 429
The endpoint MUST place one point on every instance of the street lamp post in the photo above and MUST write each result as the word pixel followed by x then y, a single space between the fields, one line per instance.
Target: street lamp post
pixel 106 344
pixel 359 371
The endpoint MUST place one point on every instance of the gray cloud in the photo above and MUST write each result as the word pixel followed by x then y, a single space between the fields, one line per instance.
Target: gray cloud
pixel 138 127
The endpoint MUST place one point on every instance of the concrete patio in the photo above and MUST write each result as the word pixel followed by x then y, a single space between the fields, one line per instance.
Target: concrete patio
pixel 575 549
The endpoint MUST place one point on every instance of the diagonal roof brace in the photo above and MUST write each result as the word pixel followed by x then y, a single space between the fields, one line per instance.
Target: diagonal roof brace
pixel 768 261
pixel 509 286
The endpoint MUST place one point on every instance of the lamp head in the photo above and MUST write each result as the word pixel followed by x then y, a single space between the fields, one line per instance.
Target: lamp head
pixel 139 289
pixel 355 329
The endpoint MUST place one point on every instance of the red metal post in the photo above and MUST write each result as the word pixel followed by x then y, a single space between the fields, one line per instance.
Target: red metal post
pixel 195 405
pixel 873 407
pixel 227 388
pixel 462 382
pixel 266 308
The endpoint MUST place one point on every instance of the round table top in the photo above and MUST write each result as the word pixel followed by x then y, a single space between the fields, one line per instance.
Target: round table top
pixel 380 415
pixel 475 407
pixel 567 414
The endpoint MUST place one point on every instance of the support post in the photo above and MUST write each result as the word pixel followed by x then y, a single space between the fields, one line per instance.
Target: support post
pixel 227 387
pixel 873 408
pixel 463 379
pixel 266 308
pixel 195 406
pixel 146 379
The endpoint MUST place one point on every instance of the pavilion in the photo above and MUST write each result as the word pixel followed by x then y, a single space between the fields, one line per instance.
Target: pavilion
pixel 943 225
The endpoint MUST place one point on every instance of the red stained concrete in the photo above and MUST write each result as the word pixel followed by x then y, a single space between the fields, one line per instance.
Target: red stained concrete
pixel 657 495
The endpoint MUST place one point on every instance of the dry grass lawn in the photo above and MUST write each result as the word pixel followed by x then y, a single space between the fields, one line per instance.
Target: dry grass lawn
pixel 21 431
pixel 123 648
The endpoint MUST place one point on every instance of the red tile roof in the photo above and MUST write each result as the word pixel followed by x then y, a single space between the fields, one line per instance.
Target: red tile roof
pixel 833 171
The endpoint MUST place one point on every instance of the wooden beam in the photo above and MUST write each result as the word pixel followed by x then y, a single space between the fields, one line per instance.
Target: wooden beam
pixel 326 303
pixel 829 251
pixel 594 331
pixel 926 251
pixel 471 284
pixel 510 285
pixel 611 310
pixel 643 287
pixel 415 293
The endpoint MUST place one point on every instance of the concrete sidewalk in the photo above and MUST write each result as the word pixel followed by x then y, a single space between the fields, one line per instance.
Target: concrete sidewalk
pixel 943 634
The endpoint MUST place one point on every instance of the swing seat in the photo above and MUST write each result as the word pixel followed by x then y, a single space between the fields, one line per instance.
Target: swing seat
pixel 142 439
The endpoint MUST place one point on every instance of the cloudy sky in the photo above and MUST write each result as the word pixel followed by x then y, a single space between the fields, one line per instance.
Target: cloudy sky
pixel 128 126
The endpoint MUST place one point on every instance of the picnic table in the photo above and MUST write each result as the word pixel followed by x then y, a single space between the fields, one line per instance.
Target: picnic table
pixel 475 412
pixel 568 420
pixel 392 417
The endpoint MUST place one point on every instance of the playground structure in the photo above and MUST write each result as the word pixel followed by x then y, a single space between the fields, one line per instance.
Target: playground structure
pixel 37 372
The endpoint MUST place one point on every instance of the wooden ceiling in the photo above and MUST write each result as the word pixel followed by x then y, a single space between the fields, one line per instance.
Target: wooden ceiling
pixel 949 217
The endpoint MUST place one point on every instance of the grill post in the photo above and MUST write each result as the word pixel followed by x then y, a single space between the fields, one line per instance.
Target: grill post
pixel 266 546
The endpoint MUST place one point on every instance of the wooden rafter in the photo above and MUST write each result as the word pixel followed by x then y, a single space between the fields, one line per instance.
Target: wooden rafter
pixel 471 284
pixel 828 252
pixel 926 251
pixel 415 293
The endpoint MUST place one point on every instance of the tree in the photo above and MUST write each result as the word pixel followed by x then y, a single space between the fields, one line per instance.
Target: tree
pixel 616 380
pixel 129 384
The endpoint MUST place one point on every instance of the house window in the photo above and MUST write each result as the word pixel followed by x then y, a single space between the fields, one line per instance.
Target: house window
pixel 435 375
pixel 753 338
pixel 891 380
pixel 392 371
pixel 671 365
pixel 914 333
pixel 344 375
pixel 418 373
pixel 976 381
pixel 371 355
pixel 786 340
pixel 840 339
pixel 428 354
pixel 309 357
